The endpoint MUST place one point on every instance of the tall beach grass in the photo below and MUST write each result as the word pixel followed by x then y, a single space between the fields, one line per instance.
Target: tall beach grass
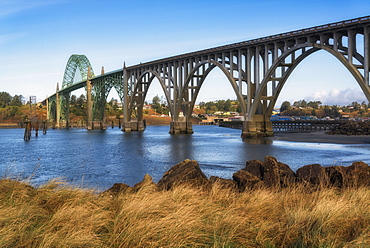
pixel 57 215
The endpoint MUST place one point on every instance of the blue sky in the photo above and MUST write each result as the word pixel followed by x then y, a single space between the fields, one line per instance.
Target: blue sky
pixel 38 36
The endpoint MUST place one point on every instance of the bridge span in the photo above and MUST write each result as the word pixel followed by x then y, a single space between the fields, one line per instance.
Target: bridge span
pixel 256 69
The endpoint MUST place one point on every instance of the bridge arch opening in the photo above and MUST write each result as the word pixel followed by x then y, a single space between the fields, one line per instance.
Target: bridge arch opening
pixel 213 83
pixel 215 87
pixel 321 77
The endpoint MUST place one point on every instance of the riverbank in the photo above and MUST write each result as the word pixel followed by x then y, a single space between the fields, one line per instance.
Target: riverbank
pixel 320 137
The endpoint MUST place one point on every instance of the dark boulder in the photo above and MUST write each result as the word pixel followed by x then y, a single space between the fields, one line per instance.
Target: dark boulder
pixel 335 176
pixel 187 171
pixel 358 175
pixel 116 189
pixel 246 180
pixel 271 172
pixel 311 174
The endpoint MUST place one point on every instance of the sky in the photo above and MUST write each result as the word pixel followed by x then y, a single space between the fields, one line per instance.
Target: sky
pixel 38 36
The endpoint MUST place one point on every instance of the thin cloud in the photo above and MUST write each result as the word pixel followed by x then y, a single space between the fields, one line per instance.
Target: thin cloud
pixel 12 7
pixel 6 38
pixel 337 97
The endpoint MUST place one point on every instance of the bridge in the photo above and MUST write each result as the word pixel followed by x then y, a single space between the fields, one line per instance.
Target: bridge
pixel 256 69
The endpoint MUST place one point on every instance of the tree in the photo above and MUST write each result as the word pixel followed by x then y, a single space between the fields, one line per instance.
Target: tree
pixel 284 106
pixel 156 104
pixel 17 101
pixel 314 105
pixel 5 99
pixel 300 103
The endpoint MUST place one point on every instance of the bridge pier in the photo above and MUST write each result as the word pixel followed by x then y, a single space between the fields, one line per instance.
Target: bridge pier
pixel 133 126
pixel 257 129
pixel 93 125
pixel 181 127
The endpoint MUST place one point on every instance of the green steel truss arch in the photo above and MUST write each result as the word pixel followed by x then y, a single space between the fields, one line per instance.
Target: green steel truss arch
pixel 100 91
pixel 80 62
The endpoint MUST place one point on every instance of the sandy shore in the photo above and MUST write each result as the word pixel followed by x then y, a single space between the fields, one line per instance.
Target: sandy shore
pixel 320 137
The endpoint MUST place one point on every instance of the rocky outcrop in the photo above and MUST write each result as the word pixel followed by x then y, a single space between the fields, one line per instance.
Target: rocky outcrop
pixel 351 128
pixel 356 175
pixel 187 172
pixel 245 180
pixel 312 174
pixel 268 173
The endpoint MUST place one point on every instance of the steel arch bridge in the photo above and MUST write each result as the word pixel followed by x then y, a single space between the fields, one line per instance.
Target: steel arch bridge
pixel 256 69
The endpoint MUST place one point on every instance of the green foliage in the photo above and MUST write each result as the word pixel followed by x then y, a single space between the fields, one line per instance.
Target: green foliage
pixel 285 106
pixel 17 100
pixel 220 105
pixel 159 106
pixel 78 106
pixel 5 99
pixel 314 105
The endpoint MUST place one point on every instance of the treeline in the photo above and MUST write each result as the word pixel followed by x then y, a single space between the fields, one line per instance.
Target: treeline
pixel 315 108
pixel 220 105
pixel 7 100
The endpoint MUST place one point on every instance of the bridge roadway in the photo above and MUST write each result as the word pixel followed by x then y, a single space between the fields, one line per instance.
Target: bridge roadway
pixel 256 69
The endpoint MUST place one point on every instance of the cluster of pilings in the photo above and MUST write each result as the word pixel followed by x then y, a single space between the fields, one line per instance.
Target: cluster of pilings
pixel 34 125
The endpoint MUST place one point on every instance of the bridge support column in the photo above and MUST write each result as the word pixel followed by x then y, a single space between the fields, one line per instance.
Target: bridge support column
pixel 261 127
pixel 181 127
pixel 89 119
pixel 134 126
pixel 57 125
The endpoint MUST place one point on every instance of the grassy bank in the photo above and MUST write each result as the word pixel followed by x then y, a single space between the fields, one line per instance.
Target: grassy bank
pixel 56 215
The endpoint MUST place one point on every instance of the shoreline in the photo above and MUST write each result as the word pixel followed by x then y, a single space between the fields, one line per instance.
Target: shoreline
pixel 320 137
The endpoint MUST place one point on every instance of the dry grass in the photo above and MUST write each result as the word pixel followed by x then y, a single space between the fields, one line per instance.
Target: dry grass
pixel 59 216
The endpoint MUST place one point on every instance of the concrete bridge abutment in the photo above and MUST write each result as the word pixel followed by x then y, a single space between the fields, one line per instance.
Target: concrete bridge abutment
pixel 181 127
pixel 133 126
pixel 258 128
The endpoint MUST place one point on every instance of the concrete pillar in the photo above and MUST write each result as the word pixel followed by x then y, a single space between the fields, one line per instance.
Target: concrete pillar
pixel 181 127
pixel 134 126
pixel 89 121
pixel 57 99
pixel 257 128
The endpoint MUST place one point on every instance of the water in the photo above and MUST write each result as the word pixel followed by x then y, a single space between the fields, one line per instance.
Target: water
pixel 98 159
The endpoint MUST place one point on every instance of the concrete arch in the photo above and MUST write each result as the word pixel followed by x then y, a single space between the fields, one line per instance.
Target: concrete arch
pixel 139 95
pixel 313 48
pixel 212 64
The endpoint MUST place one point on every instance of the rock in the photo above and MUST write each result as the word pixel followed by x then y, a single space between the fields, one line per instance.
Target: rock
pixel 335 175
pixel 116 189
pixel 198 183
pixel 351 128
pixel 312 174
pixel 224 183
pixel 181 172
pixel 147 184
pixel 246 180
pixel 271 172
pixel 358 174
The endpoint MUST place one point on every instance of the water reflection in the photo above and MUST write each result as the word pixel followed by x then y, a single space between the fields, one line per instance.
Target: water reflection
pixel 260 141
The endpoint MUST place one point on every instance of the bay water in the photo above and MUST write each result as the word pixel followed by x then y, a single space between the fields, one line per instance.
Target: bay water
pixel 99 158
